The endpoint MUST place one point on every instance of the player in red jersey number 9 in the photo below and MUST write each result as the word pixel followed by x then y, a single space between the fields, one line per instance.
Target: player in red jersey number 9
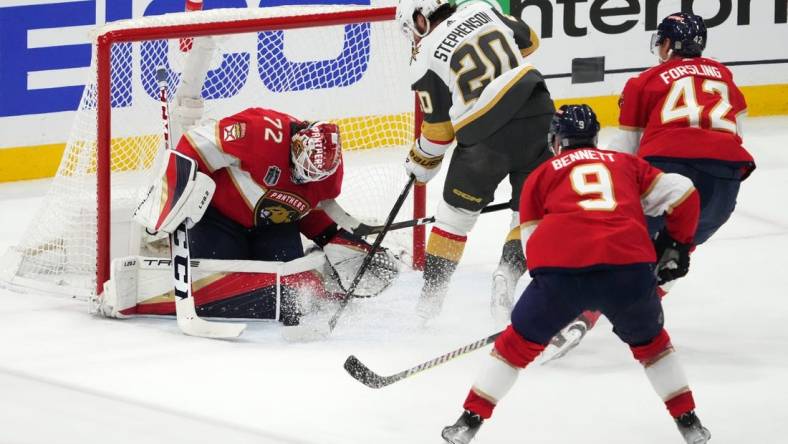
pixel 591 203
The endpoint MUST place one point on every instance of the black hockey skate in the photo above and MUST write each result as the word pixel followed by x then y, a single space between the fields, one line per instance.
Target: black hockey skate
pixel 692 430
pixel 462 431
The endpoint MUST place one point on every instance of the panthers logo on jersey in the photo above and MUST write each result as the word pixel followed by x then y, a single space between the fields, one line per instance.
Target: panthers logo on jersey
pixel 279 207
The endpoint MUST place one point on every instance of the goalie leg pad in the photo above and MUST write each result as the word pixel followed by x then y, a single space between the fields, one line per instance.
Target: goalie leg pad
pixel 248 289
pixel 119 299
pixel 259 296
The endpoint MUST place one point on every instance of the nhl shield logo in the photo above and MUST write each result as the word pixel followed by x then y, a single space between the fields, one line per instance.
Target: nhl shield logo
pixel 272 175
pixel 234 132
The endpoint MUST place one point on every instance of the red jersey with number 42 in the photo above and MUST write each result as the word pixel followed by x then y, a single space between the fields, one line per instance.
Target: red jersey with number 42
pixel 687 108
pixel 248 156
pixel 585 209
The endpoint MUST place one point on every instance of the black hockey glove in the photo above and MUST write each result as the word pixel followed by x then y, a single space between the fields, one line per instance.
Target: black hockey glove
pixel 673 258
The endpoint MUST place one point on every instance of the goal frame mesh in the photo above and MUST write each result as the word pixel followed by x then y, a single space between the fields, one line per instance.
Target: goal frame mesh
pixel 112 35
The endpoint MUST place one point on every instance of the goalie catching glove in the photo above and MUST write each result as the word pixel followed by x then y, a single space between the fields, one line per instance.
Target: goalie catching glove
pixel 673 258
pixel 345 253
pixel 179 193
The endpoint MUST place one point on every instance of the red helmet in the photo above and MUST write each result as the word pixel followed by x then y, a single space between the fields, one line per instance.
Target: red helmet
pixel 316 152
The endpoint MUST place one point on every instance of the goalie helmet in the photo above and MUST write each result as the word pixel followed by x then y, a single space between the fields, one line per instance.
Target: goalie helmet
pixel 574 126
pixel 316 152
pixel 687 34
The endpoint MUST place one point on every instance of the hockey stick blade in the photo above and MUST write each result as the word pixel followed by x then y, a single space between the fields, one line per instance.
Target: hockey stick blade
pixel 364 375
pixel 206 329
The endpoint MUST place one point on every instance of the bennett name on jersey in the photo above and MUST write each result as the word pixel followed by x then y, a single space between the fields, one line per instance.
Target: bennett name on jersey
pixel 574 156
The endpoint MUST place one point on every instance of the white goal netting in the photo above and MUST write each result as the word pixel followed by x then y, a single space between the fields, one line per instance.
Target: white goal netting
pixel 354 74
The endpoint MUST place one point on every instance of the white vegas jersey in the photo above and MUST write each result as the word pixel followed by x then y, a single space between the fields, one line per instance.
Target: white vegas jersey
pixel 471 76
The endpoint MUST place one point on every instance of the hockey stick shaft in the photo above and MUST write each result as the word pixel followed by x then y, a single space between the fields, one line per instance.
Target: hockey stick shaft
pixel 185 309
pixel 364 230
pixel 161 80
pixel 371 253
pixel 363 374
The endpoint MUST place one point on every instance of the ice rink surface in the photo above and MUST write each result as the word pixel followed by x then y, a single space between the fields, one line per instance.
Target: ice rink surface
pixel 68 377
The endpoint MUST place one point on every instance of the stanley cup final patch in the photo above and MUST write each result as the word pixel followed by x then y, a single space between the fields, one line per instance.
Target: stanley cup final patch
pixel 272 175
pixel 234 132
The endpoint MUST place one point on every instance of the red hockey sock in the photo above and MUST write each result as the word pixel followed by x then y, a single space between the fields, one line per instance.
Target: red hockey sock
pixel 680 404
pixel 517 350
pixel 476 404
pixel 649 353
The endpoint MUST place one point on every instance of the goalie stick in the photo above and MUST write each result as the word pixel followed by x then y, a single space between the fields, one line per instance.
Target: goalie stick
pixel 185 310
pixel 364 375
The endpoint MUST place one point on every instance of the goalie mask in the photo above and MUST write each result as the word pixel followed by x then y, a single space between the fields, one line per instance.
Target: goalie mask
pixel 316 152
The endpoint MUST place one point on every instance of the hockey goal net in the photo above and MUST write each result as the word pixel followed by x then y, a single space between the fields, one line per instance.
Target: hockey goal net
pixel 344 64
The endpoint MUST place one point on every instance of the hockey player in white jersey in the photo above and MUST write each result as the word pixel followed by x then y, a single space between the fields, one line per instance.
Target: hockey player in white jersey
pixel 469 71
